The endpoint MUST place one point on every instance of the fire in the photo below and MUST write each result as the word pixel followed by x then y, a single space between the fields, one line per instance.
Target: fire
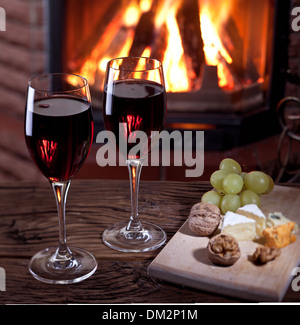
pixel 95 65
pixel 131 16
pixel 173 63
pixel 214 50
pixel 117 41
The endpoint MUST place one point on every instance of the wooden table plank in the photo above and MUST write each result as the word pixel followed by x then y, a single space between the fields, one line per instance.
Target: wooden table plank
pixel 114 282
pixel 29 218
pixel 28 223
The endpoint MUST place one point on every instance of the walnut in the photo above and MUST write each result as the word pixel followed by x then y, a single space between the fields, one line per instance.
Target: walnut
pixel 264 254
pixel 223 249
pixel 204 218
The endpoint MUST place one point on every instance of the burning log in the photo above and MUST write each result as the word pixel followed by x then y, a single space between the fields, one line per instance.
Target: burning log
pixel 192 42
pixel 112 13
pixel 116 44
pixel 160 43
pixel 114 48
pixel 143 33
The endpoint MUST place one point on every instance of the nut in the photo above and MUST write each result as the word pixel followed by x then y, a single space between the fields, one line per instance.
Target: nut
pixel 223 249
pixel 204 218
pixel 264 254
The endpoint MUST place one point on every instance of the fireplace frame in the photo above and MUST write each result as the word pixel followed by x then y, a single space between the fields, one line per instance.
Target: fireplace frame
pixel 222 130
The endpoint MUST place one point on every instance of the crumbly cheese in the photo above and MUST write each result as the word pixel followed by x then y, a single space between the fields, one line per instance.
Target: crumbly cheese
pixel 279 236
pixel 277 218
pixel 252 211
pixel 238 226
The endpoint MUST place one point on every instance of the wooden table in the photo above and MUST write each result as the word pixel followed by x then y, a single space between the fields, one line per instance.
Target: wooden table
pixel 29 223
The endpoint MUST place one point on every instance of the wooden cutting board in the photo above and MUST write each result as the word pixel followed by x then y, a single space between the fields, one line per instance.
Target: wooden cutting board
pixel 184 259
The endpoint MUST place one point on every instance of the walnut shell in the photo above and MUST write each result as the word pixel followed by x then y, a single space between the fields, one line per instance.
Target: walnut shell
pixel 204 218
pixel 223 249
pixel 264 254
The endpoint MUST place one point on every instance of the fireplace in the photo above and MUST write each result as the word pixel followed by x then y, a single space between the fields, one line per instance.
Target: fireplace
pixel 224 61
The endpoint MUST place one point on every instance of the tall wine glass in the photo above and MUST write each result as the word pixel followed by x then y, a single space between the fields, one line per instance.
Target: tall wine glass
pixel 59 131
pixel 134 105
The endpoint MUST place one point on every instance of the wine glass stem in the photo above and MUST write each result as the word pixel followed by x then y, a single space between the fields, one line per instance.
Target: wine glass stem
pixel 134 168
pixel 60 190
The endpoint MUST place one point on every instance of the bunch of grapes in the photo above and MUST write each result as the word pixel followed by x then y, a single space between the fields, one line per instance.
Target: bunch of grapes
pixel 234 188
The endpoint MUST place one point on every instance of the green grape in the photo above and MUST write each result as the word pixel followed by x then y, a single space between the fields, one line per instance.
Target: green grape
pixel 221 192
pixel 271 185
pixel 216 179
pixel 230 165
pixel 212 197
pixel 230 202
pixel 233 184
pixel 249 197
pixel 257 182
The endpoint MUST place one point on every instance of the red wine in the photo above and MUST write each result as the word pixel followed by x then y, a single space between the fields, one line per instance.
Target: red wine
pixel 140 106
pixel 59 133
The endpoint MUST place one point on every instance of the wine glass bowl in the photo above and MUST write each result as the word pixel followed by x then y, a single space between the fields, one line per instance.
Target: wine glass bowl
pixel 59 131
pixel 134 109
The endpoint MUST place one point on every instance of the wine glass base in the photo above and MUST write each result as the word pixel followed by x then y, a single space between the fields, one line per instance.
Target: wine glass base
pixel 149 238
pixel 80 267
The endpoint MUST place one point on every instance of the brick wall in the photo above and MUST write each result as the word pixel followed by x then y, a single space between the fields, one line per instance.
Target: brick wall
pixel 21 51
pixel 21 56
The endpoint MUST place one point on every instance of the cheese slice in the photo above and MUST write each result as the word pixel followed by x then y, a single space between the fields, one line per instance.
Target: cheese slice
pixel 238 226
pixel 252 211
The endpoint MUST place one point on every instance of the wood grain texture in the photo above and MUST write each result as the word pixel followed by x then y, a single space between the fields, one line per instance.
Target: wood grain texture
pixel 28 223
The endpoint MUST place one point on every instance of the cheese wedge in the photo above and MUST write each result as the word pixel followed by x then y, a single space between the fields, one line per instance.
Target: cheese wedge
pixel 279 236
pixel 277 218
pixel 238 226
pixel 252 211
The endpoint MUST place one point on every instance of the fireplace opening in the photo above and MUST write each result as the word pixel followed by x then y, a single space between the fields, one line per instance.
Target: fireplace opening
pixel 224 61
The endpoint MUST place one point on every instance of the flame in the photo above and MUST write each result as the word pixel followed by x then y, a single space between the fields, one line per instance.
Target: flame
pixel 174 67
pixel 145 5
pixel 94 64
pixel 118 37
pixel 214 50
pixel 212 43
pixel 132 15
pixel 146 52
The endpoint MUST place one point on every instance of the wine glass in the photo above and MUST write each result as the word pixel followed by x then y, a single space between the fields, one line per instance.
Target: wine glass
pixel 59 131
pixel 134 106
